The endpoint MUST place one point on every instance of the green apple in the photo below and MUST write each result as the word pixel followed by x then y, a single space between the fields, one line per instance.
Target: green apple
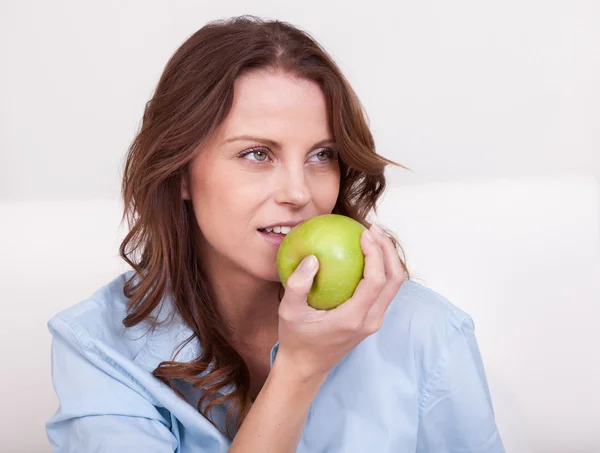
pixel 335 240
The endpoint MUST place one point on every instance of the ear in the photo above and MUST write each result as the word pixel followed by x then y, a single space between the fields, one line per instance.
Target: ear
pixel 185 192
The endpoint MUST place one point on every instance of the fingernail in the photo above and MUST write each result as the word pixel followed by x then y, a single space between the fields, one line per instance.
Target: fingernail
pixel 369 236
pixel 378 229
pixel 309 264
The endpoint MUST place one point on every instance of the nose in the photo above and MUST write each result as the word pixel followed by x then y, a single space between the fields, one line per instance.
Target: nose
pixel 292 188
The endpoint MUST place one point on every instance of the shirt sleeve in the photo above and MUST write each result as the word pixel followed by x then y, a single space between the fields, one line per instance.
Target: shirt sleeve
pixel 101 410
pixel 456 408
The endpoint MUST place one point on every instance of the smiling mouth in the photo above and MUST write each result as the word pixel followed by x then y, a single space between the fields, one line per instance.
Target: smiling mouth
pixel 279 231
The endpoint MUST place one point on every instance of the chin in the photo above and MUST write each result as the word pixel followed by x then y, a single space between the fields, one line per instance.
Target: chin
pixel 268 274
pixel 272 276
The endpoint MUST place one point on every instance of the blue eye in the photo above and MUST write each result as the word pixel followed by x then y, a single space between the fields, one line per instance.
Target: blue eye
pixel 325 155
pixel 259 154
pixel 262 155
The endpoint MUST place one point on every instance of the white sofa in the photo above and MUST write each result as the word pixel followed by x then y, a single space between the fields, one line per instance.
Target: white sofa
pixel 521 256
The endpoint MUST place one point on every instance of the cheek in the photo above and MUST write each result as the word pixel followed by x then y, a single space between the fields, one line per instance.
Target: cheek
pixel 224 205
pixel 325 190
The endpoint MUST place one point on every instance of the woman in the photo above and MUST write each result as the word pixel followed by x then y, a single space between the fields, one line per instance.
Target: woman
pixel 252 128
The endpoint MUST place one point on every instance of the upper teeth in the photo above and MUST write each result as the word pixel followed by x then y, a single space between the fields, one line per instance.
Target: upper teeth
pixel 279 229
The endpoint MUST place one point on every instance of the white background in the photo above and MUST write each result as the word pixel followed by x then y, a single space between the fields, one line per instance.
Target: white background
pixel 495 106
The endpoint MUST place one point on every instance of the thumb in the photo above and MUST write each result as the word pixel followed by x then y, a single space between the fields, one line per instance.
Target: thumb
pixel 301 280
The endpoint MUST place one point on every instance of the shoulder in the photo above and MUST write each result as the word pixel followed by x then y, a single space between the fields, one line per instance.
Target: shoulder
pixel 434 343
pixel 423 324
pixel 425 311
pixel 99 319
pixel 108 297
pixel 101 373
pixel 94 327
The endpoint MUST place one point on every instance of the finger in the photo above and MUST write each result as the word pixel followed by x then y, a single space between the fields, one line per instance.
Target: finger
pixel 300 282
pixel 372 282
pixel 393 266
pixel 394 277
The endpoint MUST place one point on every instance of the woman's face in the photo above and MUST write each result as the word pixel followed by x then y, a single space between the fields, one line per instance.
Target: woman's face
pixel 271 162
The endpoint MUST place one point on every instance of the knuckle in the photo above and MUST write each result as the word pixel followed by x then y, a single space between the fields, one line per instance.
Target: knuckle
pixel 398 277
pixel 379 280
pixel 285 314
pixel 353 324
pixel 295 285
pixel 371 329
pixel 373 324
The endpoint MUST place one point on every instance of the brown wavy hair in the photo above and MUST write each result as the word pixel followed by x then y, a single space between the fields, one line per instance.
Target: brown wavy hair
pixel 193 96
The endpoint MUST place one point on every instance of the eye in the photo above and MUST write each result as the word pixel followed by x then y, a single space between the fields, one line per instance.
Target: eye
pixel 260 154
pixel 325 155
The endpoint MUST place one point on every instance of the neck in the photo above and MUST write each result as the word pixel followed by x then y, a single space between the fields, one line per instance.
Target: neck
pixel 249 305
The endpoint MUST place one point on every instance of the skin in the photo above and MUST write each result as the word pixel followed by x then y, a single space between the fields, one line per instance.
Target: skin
pixel 233 196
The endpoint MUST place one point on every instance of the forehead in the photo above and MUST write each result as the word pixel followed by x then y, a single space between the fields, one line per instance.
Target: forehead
pixel 268 102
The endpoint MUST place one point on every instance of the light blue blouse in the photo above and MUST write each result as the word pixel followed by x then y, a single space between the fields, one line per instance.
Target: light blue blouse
pixel 417 385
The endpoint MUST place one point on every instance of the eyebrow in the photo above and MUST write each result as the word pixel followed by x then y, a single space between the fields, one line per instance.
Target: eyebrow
pixel 272 143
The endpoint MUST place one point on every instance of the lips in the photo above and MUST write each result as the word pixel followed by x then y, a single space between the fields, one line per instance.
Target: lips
pixel 273 238
pixel 276 232
pixel 289 223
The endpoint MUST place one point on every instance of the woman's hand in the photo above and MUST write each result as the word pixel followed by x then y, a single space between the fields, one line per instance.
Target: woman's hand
pixel 311 342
